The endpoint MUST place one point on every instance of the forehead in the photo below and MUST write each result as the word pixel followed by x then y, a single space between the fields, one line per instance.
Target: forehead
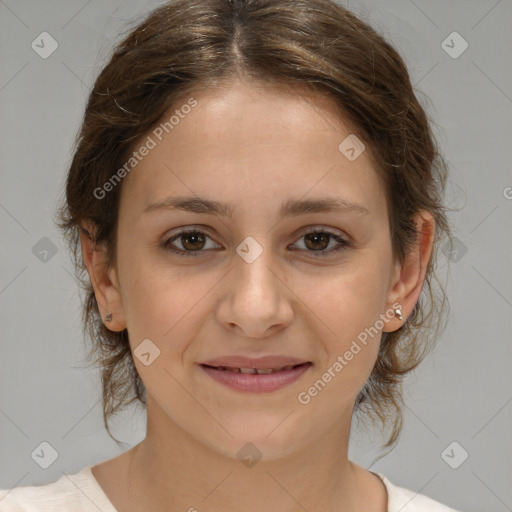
pixel 241 135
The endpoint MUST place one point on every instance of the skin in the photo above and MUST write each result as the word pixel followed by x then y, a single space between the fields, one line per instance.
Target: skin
pixel 254 147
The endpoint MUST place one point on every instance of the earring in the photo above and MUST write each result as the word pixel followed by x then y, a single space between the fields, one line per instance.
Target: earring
pixel 108 318
pixel 398 312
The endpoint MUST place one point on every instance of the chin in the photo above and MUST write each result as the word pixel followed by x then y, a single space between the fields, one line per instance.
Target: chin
pixel 260 439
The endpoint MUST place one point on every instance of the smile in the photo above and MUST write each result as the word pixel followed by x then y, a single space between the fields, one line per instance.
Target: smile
pixel 256 380
pixel 259 371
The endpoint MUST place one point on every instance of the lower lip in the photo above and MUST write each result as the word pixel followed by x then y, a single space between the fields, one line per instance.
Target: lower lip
pixel 254 383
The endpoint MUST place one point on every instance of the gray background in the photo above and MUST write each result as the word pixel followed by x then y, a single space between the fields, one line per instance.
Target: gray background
pixel 463 391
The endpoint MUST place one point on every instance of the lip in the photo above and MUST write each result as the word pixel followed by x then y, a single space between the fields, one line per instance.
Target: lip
pixel 238 361
pixel 255 383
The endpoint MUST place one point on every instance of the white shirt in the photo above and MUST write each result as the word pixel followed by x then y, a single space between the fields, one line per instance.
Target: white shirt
pixel 81 492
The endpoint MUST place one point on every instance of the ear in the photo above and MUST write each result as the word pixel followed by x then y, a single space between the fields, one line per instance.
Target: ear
pixel 407 281
pixel 103 278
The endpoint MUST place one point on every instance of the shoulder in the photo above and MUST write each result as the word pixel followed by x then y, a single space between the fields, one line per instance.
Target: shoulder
pixel 77 492
pixel 405 500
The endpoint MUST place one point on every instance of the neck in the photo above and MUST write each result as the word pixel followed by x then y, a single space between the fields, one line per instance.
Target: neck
pixel 170 470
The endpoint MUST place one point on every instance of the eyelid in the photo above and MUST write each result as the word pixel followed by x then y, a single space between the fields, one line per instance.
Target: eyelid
pixel 343 240
pixel 166 244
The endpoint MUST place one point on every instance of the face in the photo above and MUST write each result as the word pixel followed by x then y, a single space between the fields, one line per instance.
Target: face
pixel 269 275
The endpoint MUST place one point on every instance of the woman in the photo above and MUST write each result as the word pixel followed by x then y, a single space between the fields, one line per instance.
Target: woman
pixel 256 197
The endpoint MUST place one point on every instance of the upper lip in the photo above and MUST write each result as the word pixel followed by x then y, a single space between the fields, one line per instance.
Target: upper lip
pixel 259 363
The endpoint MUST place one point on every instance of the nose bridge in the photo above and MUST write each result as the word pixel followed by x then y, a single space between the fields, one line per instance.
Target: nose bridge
pixel 254 264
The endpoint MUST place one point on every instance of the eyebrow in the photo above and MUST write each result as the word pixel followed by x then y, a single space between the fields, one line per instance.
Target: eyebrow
pixel 288 209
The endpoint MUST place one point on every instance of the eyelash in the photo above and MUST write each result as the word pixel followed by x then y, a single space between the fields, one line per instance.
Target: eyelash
pixel 344 244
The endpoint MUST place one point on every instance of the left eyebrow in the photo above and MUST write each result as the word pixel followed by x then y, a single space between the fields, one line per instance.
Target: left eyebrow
pixel 288 209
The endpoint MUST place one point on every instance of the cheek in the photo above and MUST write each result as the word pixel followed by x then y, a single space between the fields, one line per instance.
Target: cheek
pixel 351 349
pixel 351 305
pixel 351 299
pixel 163 303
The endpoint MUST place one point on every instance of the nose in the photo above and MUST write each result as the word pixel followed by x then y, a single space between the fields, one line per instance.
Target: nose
pixel 256 300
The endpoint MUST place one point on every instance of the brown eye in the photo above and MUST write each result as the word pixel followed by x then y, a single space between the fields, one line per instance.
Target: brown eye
pixel 317 241
pixel 192 242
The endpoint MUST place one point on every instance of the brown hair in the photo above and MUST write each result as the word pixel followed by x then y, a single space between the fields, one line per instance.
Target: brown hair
pixel 317 44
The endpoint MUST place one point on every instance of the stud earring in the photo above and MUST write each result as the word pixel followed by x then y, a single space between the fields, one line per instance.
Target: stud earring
pixel 108 318
pixel 398 312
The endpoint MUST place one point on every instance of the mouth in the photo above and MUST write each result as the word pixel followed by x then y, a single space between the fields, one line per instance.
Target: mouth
pixel 256 377
pixel 256 371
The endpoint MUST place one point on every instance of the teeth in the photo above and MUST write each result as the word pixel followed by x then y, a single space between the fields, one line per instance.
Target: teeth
pixel 247 370
pixel 265 371
pixel 259 371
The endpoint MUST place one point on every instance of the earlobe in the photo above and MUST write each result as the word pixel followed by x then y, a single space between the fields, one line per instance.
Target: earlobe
pixel 103 279
pixel 408 278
